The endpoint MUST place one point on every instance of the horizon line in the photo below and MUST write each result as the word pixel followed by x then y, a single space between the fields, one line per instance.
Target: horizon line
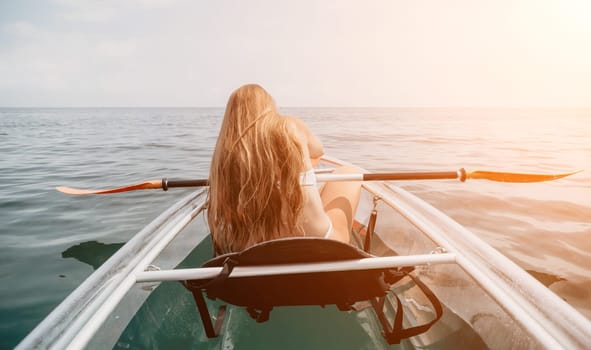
pixel 317 107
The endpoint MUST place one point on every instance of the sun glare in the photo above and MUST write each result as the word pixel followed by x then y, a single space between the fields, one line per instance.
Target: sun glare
pixel 576 15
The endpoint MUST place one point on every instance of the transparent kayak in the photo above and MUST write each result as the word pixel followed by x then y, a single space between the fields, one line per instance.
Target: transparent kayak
pixel 135 300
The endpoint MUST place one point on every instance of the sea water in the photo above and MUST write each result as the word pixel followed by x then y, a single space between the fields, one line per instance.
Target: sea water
pixel 543 227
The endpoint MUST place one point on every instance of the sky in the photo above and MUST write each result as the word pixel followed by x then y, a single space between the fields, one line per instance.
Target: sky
pixel 341 53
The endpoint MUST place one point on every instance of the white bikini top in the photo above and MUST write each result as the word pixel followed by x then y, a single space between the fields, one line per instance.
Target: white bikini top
pixel 308 178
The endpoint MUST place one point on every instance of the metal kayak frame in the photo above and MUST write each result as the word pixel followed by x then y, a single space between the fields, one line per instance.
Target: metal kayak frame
pixel 552 322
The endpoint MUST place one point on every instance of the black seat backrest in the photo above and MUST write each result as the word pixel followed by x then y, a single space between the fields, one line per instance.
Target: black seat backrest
pixel 342 288
pixel 259 294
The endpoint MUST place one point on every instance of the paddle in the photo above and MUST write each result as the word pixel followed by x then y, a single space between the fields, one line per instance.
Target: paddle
pixel 461 175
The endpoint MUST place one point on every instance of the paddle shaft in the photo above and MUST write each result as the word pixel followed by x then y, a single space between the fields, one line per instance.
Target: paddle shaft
pixel 460 174
pixel 166 183
pixel 441 175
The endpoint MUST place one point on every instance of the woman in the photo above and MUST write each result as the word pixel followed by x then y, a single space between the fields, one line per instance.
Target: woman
pixel 262 182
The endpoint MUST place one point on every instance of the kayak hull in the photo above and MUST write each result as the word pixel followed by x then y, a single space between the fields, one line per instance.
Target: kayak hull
pixel 488 301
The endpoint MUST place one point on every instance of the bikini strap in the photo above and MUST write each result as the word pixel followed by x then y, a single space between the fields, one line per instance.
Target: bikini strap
pixel 308 178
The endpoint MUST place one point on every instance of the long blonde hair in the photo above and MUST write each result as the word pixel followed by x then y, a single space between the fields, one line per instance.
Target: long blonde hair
pixel 254 190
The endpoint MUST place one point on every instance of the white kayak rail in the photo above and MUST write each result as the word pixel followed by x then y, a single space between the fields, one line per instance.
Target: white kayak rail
pixel 287 269
pixel 545 316
pixel 74 321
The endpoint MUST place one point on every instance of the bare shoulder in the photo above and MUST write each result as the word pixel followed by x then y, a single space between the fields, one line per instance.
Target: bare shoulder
pixel 297 122
pixel 314 144
pixel 300 126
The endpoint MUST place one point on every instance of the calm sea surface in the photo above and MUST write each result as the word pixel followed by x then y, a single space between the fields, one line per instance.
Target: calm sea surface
pixel 543 227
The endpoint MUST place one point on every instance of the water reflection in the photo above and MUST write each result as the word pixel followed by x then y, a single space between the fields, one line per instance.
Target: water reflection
pixel 92 253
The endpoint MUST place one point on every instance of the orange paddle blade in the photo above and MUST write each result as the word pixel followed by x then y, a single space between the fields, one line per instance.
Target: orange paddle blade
pixel 514 177
pixel 148 185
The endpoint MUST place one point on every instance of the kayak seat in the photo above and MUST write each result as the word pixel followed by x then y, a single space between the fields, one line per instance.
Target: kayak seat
pixel 260 294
